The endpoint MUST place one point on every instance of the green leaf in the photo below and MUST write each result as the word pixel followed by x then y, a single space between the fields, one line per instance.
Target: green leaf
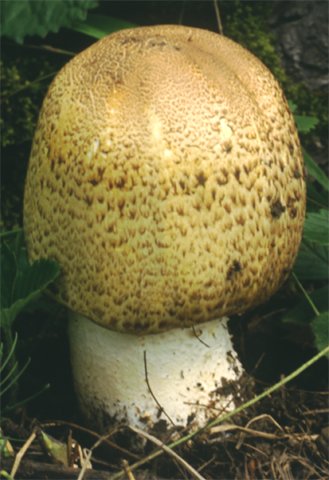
pixel 28 286
pixel 316 197
pixel 315 171
pixel 21 282
pixel 6 449
pixel 39 17
pixel 312 262
pixel 316 227
pixel 56 450
pixel 98 26
pixel 321 331
pixel 292 106
pixel 303 312
pixel 305 124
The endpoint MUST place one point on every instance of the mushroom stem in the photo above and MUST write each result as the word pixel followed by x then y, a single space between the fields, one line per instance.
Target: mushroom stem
pixel 181 376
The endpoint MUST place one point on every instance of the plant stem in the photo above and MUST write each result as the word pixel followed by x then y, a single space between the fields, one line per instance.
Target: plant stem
pixel 308 298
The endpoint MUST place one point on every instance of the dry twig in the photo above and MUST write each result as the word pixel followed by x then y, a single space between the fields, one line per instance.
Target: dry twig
pixel 85 462
pixel 259 433
pixel 129 473
pixel 218 18
pixel 88 454
pixel 198 337
pixel 169 451
pixel 151 391
pixel 20 454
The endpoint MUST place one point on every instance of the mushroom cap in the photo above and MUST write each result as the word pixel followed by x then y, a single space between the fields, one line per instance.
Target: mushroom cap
pixel 166 178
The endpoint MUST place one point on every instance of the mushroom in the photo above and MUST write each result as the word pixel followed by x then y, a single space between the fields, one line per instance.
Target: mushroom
pixel 166 178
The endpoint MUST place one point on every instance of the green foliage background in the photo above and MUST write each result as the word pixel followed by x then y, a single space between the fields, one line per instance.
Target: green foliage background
pixel 39 17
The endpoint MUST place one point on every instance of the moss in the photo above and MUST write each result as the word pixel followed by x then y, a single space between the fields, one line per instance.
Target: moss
pixel 309 103
pixel 24 81
pixel 20 98
pixel 247 23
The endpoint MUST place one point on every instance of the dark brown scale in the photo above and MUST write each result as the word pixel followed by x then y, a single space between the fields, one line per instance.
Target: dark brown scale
pixel 236 267
pixel 277 209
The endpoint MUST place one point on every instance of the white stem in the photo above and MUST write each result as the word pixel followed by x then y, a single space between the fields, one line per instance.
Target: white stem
pixel 175 376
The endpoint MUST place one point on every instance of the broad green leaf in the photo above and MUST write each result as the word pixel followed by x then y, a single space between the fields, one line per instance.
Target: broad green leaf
pixel 34 279
pixel 292 106
pixel 321 330
pixel 303 312
pixel 315 171
pixel 21 282
pixel 316 197
pixel 316 227
pixel 312 262
pixel 39 17
pixel 27 287
pixel 305 124
pixel 98 26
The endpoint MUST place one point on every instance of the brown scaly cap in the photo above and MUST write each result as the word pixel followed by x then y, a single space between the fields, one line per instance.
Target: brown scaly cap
pixel 166 178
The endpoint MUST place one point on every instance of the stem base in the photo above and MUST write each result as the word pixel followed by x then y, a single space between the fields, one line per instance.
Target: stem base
pixel 182 376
